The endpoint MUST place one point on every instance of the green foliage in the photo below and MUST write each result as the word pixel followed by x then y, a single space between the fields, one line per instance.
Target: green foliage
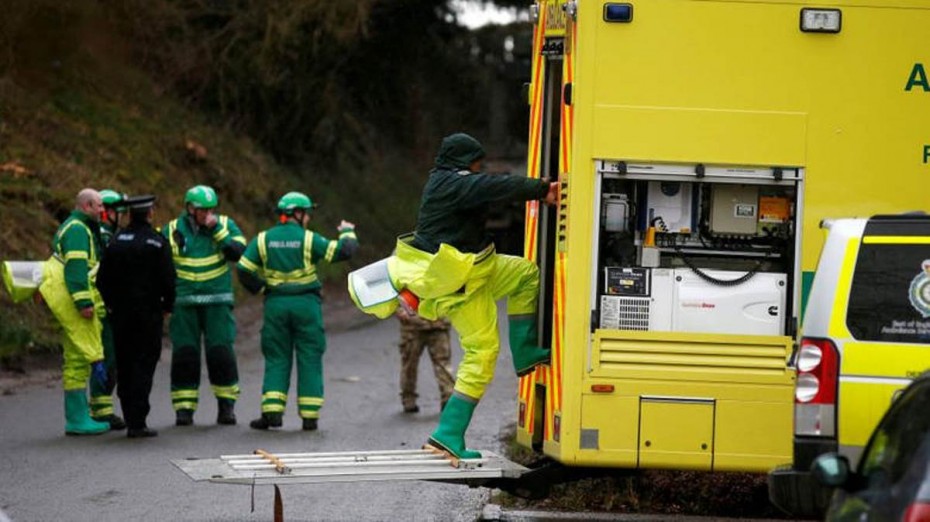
pixel 351 99
pixel 25 327
pixel 311 79
pixel 79 115
pixel 355 94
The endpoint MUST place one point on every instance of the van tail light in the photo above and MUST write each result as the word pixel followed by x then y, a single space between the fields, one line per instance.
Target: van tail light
pixel 816 388
pixel 917 512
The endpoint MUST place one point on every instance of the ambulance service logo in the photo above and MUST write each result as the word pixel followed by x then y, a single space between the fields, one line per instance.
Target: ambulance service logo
pixel 919 293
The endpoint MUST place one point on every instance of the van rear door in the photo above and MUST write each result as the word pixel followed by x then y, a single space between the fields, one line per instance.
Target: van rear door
pixel 886 332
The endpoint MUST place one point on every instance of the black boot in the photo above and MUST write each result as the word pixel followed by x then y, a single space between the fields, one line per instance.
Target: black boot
pixel 226 415
pixel 184 417
pixel 310 424
pixel 267 420
pixel 115 422
pixel 138 433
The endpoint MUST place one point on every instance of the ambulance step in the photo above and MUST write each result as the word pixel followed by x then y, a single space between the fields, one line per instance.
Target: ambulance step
pixel 347 466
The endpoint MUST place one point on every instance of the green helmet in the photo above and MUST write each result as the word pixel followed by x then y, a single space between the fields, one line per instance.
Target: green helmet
pixel 111 198
pixel 294 201
pixel 201 196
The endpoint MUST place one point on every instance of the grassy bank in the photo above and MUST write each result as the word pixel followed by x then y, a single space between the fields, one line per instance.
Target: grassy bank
pixel 76 113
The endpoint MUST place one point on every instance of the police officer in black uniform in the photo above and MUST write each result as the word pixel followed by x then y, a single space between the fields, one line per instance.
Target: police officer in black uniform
pixel 137 279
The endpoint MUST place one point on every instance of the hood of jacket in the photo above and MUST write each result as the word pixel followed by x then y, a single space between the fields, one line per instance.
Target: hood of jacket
pixel 458 151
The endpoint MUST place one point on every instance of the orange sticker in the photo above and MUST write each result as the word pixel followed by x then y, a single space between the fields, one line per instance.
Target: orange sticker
pixel 774 209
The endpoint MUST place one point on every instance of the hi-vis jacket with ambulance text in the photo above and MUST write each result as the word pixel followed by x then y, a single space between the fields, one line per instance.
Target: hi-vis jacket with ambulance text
pixel 200 258
pixel 283 259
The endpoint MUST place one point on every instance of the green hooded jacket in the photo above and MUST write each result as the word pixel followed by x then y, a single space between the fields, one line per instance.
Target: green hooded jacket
pixel 456 201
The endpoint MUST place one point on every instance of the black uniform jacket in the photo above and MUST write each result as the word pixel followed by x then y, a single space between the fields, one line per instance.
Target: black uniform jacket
pixel 136 277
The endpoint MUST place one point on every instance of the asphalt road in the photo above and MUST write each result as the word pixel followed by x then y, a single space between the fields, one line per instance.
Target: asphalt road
pixel 46 476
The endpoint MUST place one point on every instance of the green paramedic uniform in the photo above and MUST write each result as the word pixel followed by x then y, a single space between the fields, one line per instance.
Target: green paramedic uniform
pixel 203 308
pixel 68 287
pixel 101 397
pixel 283 259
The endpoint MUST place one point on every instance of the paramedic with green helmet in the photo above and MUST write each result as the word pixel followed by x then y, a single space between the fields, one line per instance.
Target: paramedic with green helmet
pixel 202 244
pixel 451 265
pixel 110 217
pixel 101 396
pixel 68 289
pixel 281 263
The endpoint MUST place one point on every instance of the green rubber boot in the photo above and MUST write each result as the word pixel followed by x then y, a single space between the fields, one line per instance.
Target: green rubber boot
pixel 524 348
pixel 450 434
pixel 77 415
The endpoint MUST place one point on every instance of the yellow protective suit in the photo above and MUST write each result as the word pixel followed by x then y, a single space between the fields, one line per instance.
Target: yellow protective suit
pixel 464 288
pixel 81 338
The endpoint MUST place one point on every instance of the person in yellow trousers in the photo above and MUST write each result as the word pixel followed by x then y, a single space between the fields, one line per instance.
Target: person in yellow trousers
pixel 450 267
pixel 68 289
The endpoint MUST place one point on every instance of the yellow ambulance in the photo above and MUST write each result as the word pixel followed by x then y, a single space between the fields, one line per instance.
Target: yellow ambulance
pixel 699 144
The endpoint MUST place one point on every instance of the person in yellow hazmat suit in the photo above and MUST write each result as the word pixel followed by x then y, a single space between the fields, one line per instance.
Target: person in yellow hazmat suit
pixel 68 289
pixel 450 265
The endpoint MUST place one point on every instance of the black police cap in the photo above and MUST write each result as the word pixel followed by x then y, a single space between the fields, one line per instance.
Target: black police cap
pixel 139 202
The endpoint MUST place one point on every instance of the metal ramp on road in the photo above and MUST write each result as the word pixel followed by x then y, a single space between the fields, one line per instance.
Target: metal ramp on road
pixel 264 467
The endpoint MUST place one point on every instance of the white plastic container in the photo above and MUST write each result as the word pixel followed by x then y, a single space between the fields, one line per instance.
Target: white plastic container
pixel 21 278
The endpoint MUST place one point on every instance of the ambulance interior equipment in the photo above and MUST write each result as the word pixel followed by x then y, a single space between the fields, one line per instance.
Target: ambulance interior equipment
pixel 689 248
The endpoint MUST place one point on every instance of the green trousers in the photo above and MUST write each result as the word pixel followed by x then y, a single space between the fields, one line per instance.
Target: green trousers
pixel 215 326
pixel 101 397
pixel 293 326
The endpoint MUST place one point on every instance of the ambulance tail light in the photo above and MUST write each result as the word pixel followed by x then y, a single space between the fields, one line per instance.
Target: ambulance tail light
pixel 816 388
pixel 917 512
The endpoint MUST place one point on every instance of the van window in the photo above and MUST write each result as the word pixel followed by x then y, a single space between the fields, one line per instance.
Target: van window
pixel 889 299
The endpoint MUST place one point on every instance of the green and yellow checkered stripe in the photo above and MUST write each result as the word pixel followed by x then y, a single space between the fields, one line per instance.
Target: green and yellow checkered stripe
pixel 226 392
pixel 101 406
pixel 184 399
pixel 273 402
pixel 309 407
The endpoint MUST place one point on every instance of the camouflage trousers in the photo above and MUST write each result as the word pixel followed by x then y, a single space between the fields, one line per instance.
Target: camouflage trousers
pixel 412 343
